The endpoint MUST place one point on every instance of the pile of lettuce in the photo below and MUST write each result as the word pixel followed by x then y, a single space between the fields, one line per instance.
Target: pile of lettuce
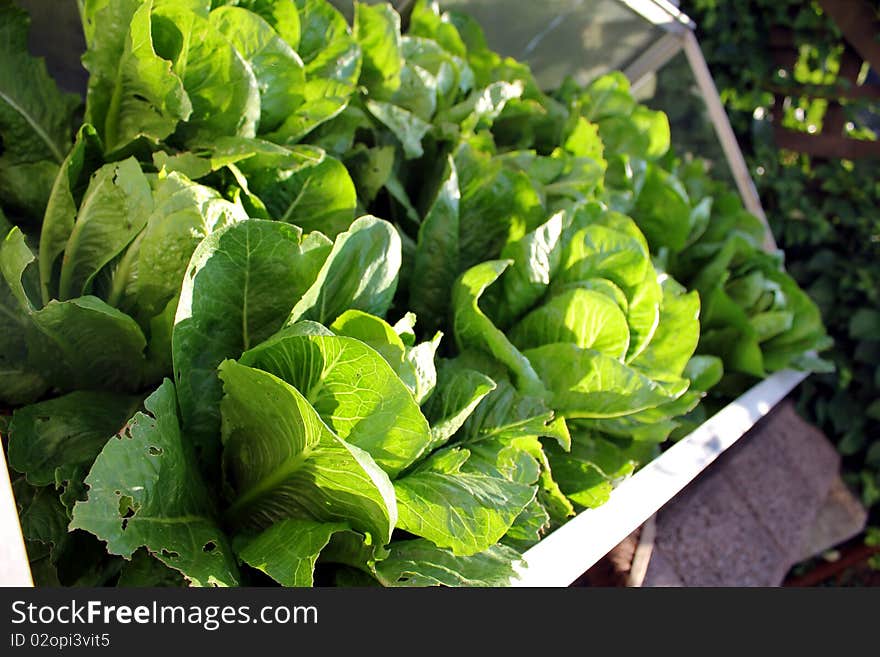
pixel 310 303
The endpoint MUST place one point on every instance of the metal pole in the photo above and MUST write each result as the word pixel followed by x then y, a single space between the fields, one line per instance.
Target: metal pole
pixel 721 122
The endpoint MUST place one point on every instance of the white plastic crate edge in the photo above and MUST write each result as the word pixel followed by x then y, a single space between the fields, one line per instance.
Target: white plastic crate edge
pixel 14 566
pixel 568 552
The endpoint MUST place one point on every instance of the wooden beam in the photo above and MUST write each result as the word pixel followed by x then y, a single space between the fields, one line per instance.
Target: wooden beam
pixel 826 91
pixel 857 20
pixel 831 147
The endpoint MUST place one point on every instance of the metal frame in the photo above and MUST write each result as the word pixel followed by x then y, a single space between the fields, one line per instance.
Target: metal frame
pixel 680 36
pixel 723 129
pixel 652 59
pixel 661 13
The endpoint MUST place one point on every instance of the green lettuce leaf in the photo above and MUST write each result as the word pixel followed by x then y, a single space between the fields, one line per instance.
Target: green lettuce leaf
pixel 288 550
pixel 360 273
pixel 35 120
pixel 67 193
pixel 51 441
pixel 220 84
pixel 536 258
pixel 594 385
pixel 320 195
pixel 278 69
pixel 133 92
pixel 586 318
pixel 467 512
pixel 473 329
pixel 113 211
pixel 589 471
pixel 459 392
pixel 145 490
pixel 377 30
pixel 184 214
pixel 354 390
pixel 239 288
pixel 421 563
pixel 282 461
pixel 435 265
pixel 408 128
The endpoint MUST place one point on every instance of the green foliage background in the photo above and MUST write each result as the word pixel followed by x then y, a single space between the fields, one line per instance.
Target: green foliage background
pixel 825 214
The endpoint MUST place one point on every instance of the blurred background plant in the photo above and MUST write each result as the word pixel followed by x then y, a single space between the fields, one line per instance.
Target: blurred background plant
pixel 799 81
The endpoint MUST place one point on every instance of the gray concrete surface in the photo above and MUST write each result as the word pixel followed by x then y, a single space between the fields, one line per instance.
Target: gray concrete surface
pixel 769 501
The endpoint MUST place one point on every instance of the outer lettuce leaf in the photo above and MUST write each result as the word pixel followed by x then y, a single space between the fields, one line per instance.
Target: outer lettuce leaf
pixel 19 382
pixel 78 344
pixel 593 385
pixel 473 329
pixel 506 413
pixel 463 511
pixel 459 392
pixel 282 15
pixel 663 210
pixel 278 69
pixel 145 490
pixel 586 318
pixel 536 259
pixel 417 92
pixel 53 440
pixel 497 204
pixel 529 527
pixel 413 363
pixel 360 273
pixel 377 30
pixel 677 334
pixel 15 260
pixel 435 265
pixel 114 210
pixel 332 60
pixel 598 251
pixel 35 120
pixel 67 193
pixel 220 84
pixel 86 344
pixel 643 313
pixel 326 43
pixel 133 92
pixel 289 549
pixel 421 563
pixel 408 128
pixel 588 472
pixel 427 21
pixel 320 195
pixel 806 332
pixel 450 73
pixel 145 571
pixel 482 106
pixel 284 462
pixel 240 286
pixel 184 214
pixel 354 390
pixel 44 528
pixel 375 332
